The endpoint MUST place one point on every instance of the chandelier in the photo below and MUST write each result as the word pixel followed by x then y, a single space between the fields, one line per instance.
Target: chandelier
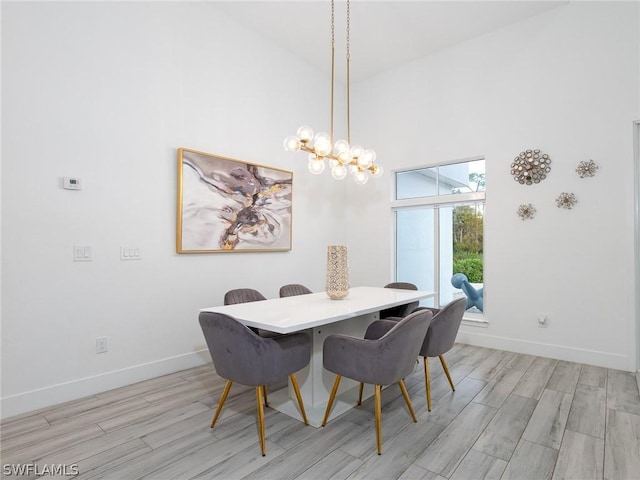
pixel 342 156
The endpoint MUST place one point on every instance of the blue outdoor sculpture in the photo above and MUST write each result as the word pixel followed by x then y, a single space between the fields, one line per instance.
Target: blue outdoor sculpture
pixel 474 297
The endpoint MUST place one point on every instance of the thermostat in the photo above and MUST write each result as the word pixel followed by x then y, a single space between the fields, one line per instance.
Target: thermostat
pixel 72 183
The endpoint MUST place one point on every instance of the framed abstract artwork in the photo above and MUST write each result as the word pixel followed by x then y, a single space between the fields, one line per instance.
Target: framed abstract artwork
pixel 227 205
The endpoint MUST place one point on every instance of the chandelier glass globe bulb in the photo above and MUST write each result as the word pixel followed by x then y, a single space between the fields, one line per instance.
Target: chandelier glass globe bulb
pixel 292 143
pixel 376 170
pixel 322 149
pixel 305 134
pixel 340 146
pixel 322 137
pixel 345 157
pixel 316 166
pixel 322 144
pixel 339 171
pixel 357 150
pixel 366 159
pixel 361 177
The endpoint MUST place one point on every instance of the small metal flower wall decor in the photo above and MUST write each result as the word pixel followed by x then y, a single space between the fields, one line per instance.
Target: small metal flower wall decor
pixel 526 211
pixel 586 168
pixel 566 200
pixel 530 167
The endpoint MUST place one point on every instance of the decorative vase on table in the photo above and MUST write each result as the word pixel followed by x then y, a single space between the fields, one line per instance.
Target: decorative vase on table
pixel 337 272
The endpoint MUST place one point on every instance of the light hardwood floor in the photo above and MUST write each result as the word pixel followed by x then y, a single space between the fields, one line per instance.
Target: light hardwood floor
pixel 512 416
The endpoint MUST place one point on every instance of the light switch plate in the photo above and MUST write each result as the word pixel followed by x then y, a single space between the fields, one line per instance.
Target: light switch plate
pixel 82 253
pixel 130 253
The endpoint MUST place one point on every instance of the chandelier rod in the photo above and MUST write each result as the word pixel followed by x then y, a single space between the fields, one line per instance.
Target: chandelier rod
pixel 333 55
pixel 343 157
pixel 348 81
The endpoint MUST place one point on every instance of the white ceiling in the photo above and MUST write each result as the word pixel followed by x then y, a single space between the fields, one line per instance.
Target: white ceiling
pixel 384 34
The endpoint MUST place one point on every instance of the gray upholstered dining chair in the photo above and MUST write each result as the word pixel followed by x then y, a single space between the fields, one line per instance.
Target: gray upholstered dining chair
pixel 386 355
pixel 241 356
pixel 293 289
pixel 246 295
pixel 242 295
pixel 400 310
pixel 441 337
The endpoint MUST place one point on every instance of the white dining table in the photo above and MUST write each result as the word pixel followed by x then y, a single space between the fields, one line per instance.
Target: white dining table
pixel 320 317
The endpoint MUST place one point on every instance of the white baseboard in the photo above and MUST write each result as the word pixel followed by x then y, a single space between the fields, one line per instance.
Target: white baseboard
pixel 63 392
pixel 52 395
pixel 559 352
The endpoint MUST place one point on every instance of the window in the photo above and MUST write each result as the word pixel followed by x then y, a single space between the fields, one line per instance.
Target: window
pixel 439 219
pixel 451 179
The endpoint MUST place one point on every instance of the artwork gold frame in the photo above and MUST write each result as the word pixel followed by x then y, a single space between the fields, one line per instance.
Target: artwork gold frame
pixel 228 205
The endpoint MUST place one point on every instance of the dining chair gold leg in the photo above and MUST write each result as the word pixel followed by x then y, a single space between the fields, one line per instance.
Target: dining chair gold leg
pixel 331 397
pixel 360 393
pixel 225 392
pixel 446 371
pixel 264 393
pixel 296 389
pixel 405 394
pixel 427 382
pixel 378 389
pixel 259 401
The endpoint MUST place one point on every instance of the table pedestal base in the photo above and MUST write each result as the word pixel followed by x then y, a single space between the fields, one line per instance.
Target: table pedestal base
pixel 316 383
pixel 345 400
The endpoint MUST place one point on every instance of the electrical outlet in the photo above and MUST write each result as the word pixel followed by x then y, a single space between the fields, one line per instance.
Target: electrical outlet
pixel 101 345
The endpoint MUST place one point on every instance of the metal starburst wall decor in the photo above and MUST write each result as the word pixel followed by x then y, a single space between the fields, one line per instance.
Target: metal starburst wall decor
pixel 586 168
pixel 566 200
pixel 526 211
pixel 530 166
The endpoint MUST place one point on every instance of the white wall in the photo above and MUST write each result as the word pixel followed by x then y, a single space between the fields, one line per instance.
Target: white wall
pixel 565 82
pixel 107 92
